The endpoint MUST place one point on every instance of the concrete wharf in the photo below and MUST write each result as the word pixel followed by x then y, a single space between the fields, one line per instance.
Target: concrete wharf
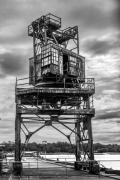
pixel 51 170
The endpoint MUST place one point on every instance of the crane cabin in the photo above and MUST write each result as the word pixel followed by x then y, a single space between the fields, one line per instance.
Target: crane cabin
pixel 53 59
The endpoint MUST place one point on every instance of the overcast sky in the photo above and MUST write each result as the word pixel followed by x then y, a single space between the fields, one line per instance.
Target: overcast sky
pixel 99 35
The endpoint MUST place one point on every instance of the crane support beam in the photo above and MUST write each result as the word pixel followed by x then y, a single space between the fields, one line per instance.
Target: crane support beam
pixel 57 92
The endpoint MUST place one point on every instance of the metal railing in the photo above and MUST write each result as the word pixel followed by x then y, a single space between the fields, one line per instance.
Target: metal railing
pixel 86 84
pixel 40 167
pixel 42 21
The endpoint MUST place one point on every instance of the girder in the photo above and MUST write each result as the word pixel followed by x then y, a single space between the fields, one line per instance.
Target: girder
pixel 56 92
pixel 56 111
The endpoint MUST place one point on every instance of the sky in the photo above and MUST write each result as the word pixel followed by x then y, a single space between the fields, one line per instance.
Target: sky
pixel 99 36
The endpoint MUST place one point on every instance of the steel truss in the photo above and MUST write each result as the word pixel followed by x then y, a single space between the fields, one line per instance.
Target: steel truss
pixel 47 30
pixel 65 100
pixel 64 106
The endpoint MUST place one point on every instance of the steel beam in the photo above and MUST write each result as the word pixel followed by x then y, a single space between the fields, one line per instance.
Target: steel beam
pixel 90 141
pixel 57 111
pixel 17 135
pixel 54 95
pixel 78 139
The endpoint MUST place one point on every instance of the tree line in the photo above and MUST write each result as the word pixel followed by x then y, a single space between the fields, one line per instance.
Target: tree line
pixel 59 147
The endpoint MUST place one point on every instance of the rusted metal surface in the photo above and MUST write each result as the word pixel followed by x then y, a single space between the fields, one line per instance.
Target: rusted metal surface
pixel 57 91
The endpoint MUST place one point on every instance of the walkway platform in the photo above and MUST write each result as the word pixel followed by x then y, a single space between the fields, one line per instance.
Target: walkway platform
pixel 52 171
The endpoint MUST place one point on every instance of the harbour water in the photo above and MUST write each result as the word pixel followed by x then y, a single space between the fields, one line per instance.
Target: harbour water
pixel 105 159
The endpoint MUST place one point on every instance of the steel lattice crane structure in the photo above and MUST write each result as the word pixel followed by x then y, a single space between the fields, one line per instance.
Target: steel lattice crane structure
pixel 58 91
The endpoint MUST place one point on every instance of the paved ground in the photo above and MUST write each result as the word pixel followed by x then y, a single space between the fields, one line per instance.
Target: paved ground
pixel 52 171
pixel 81 177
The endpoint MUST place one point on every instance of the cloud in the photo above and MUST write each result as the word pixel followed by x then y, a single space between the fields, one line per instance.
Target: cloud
pixel 111 91
pixel 117 13
pixel 96 17
pixel 106 102
pixel 89 16
pixel 98 23
pixel 106 131
pixel 103 45
pixel 98 47
pixel 12 64
pixel 106 138
pixel 108 115
pixel 7 126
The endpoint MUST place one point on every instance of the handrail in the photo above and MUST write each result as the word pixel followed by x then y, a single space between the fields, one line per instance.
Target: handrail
pixel 75 84
pixel 80 79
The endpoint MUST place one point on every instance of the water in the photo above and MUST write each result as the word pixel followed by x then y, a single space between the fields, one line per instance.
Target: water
pixel 109 160
pixel 106 159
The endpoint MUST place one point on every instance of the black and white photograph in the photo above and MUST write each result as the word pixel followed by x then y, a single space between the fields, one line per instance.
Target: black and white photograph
pixel 59 89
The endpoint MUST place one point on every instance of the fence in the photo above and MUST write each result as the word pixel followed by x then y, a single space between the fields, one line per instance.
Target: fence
pixel 63 167
pixel 81 84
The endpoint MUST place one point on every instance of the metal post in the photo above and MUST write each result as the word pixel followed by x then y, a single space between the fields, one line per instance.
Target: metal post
pixel 77 127
pixel 66 167
pixel 34 52
pixel 37 159
pixel 45 143
pixel 1 161
pixel 17 165
pixel 77 42
pixel 90 142
pixel 77 141
pixel 17 136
